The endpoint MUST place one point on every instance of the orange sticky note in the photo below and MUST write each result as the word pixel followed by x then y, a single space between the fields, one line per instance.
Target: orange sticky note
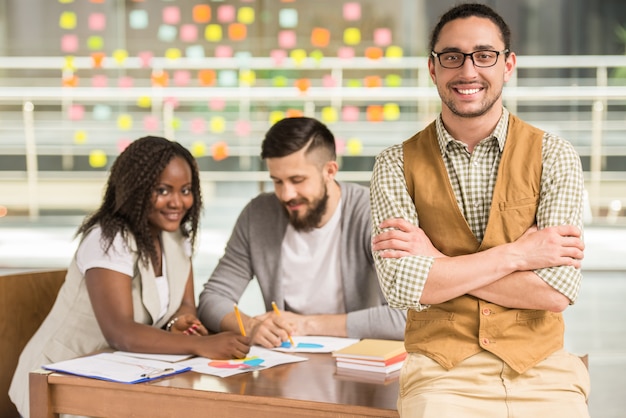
pixel 375 113
pixel 206 77
pixel 373 52
pixel 70 80
pixel 237 31
pixel 320 37
pixel 219 150
pixel 302 84
pixel 159 78
pixel 201 13
pixel 294 113
pixel 372 81
pixel 97 58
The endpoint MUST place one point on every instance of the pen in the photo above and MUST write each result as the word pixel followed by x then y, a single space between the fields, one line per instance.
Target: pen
pixel 239 321
pixel 278 313
pixel 158 372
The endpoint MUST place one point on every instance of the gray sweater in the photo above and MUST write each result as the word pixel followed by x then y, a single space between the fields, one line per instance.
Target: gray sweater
pixel 254 250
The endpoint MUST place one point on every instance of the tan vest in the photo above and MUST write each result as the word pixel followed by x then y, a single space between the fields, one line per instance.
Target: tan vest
pixel 452 331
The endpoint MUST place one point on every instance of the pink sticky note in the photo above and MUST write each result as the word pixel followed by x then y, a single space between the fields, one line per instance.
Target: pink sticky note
pixel 99 80
pixel 150 123
pixel 172 101
pixel 382 36
pixel 340 145
pixel 122 144
pixel 345 52
pixel 188 33
pixel 181 77
pixel 287 39
pixel 146 58
pixel 278 55
pixel 350 113
pixel 125 82
pixel 217 104
pixel 226 13
pixel 223 51
pixel 352 11
pixel 198 126
pixel 97 21
pixel 69 43
pixel 242 128
pixel 171 15
pixel 328 81
pixel 76 112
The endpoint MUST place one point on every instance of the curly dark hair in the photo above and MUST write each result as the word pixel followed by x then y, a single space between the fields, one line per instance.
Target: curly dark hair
pixel 128 197
pixel 466 10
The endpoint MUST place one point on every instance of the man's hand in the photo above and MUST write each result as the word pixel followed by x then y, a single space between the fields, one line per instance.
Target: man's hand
pixel 401 238
pixel 549 247
pixel 270 330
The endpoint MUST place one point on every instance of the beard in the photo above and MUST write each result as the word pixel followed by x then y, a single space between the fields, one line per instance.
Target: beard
pixel 485 106
pixel 311 219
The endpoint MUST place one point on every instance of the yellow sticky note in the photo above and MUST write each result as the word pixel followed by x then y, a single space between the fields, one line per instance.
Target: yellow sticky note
pixel 276 115
pixel 80 137
pixel 354 146
pixel 394 52
pixel 298 55
pixel 69 63
pixel 173 54
pixel 352 36
pixel 393 80
pixel 67 20
pixel 280 81
pixel 247 77
pixel 245 15
pixel 124 122
pixel 391 111
pixel 329 114
pixel 95 43
pixel 213 33
pixel 217 124
pixel 176 123
pixel 144 102
pixel 120 55
pixel 198 149
pixel 97 158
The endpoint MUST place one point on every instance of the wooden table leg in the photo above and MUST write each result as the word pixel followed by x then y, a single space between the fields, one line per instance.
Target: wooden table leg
pixel 39 395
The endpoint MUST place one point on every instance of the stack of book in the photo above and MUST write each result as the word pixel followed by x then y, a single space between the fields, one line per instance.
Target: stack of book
pixel 381 357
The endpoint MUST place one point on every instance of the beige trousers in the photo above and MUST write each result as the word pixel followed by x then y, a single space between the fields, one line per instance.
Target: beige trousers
pixel 483 386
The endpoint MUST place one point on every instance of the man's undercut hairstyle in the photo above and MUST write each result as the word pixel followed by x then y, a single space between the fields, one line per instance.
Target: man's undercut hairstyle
pixel 290 135
pixel 465 10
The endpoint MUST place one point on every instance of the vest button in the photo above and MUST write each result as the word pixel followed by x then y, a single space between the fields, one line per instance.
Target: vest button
pixel 486 311
pixel 485 341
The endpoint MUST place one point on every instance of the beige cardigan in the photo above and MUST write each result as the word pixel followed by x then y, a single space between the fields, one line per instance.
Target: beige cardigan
pixel 71 330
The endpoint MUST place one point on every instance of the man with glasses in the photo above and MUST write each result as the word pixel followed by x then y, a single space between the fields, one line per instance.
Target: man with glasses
pixel 477 224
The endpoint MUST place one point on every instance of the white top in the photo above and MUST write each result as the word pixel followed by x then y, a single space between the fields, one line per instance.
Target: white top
pixel 118 258
pixel 310 269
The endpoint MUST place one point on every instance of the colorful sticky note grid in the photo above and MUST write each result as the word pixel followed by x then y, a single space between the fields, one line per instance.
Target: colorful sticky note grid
pixel 201 13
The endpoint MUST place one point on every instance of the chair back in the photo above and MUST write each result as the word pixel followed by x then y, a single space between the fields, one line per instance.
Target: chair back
pixel 25 300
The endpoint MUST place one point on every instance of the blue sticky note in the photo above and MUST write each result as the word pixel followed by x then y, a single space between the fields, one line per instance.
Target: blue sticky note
pixel 167 33
pixel 194 52
pixel 227 78
pixel 288 18
pixel 102 112
pixel 138 19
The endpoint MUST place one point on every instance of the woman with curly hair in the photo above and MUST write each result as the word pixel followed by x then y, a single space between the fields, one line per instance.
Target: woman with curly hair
pixel 129 286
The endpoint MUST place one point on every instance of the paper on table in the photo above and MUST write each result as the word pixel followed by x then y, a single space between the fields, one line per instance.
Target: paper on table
pixel 257 359
pixel 170 358
pixel 117 368
pixel 315 344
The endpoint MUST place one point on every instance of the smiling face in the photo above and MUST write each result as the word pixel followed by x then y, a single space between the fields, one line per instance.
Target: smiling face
pixel 302 187
pixel 468 91
pixel 172 196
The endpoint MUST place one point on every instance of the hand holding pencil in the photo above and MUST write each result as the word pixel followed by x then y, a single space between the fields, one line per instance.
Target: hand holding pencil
pixel 277 311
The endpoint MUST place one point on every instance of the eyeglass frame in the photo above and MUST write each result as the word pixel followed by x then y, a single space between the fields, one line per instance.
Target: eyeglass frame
pixel 471 55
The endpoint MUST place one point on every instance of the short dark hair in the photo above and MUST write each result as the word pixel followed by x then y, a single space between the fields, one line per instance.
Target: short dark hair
pixel 290 135
pixel 466 10
pixel 128 195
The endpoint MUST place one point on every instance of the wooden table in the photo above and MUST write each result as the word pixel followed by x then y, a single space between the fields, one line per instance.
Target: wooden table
pixel 305 389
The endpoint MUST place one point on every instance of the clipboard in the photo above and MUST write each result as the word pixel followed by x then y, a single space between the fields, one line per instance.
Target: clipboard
pixel 117 368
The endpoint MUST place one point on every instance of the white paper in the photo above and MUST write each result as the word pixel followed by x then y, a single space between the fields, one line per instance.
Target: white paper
pixel 257 359
pixel 170 358
pixel 315 344
pixel 117 368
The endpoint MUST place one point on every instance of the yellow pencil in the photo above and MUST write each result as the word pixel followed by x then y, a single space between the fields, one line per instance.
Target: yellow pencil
pixel 278 313
pixel 239 321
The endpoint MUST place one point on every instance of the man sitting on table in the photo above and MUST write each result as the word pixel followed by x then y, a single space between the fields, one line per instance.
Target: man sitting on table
pixel 309 246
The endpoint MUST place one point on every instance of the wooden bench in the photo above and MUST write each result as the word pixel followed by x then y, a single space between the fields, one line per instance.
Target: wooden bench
pixel 25 300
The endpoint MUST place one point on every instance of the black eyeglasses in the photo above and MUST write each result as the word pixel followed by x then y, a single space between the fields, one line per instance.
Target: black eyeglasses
pixel 482 59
